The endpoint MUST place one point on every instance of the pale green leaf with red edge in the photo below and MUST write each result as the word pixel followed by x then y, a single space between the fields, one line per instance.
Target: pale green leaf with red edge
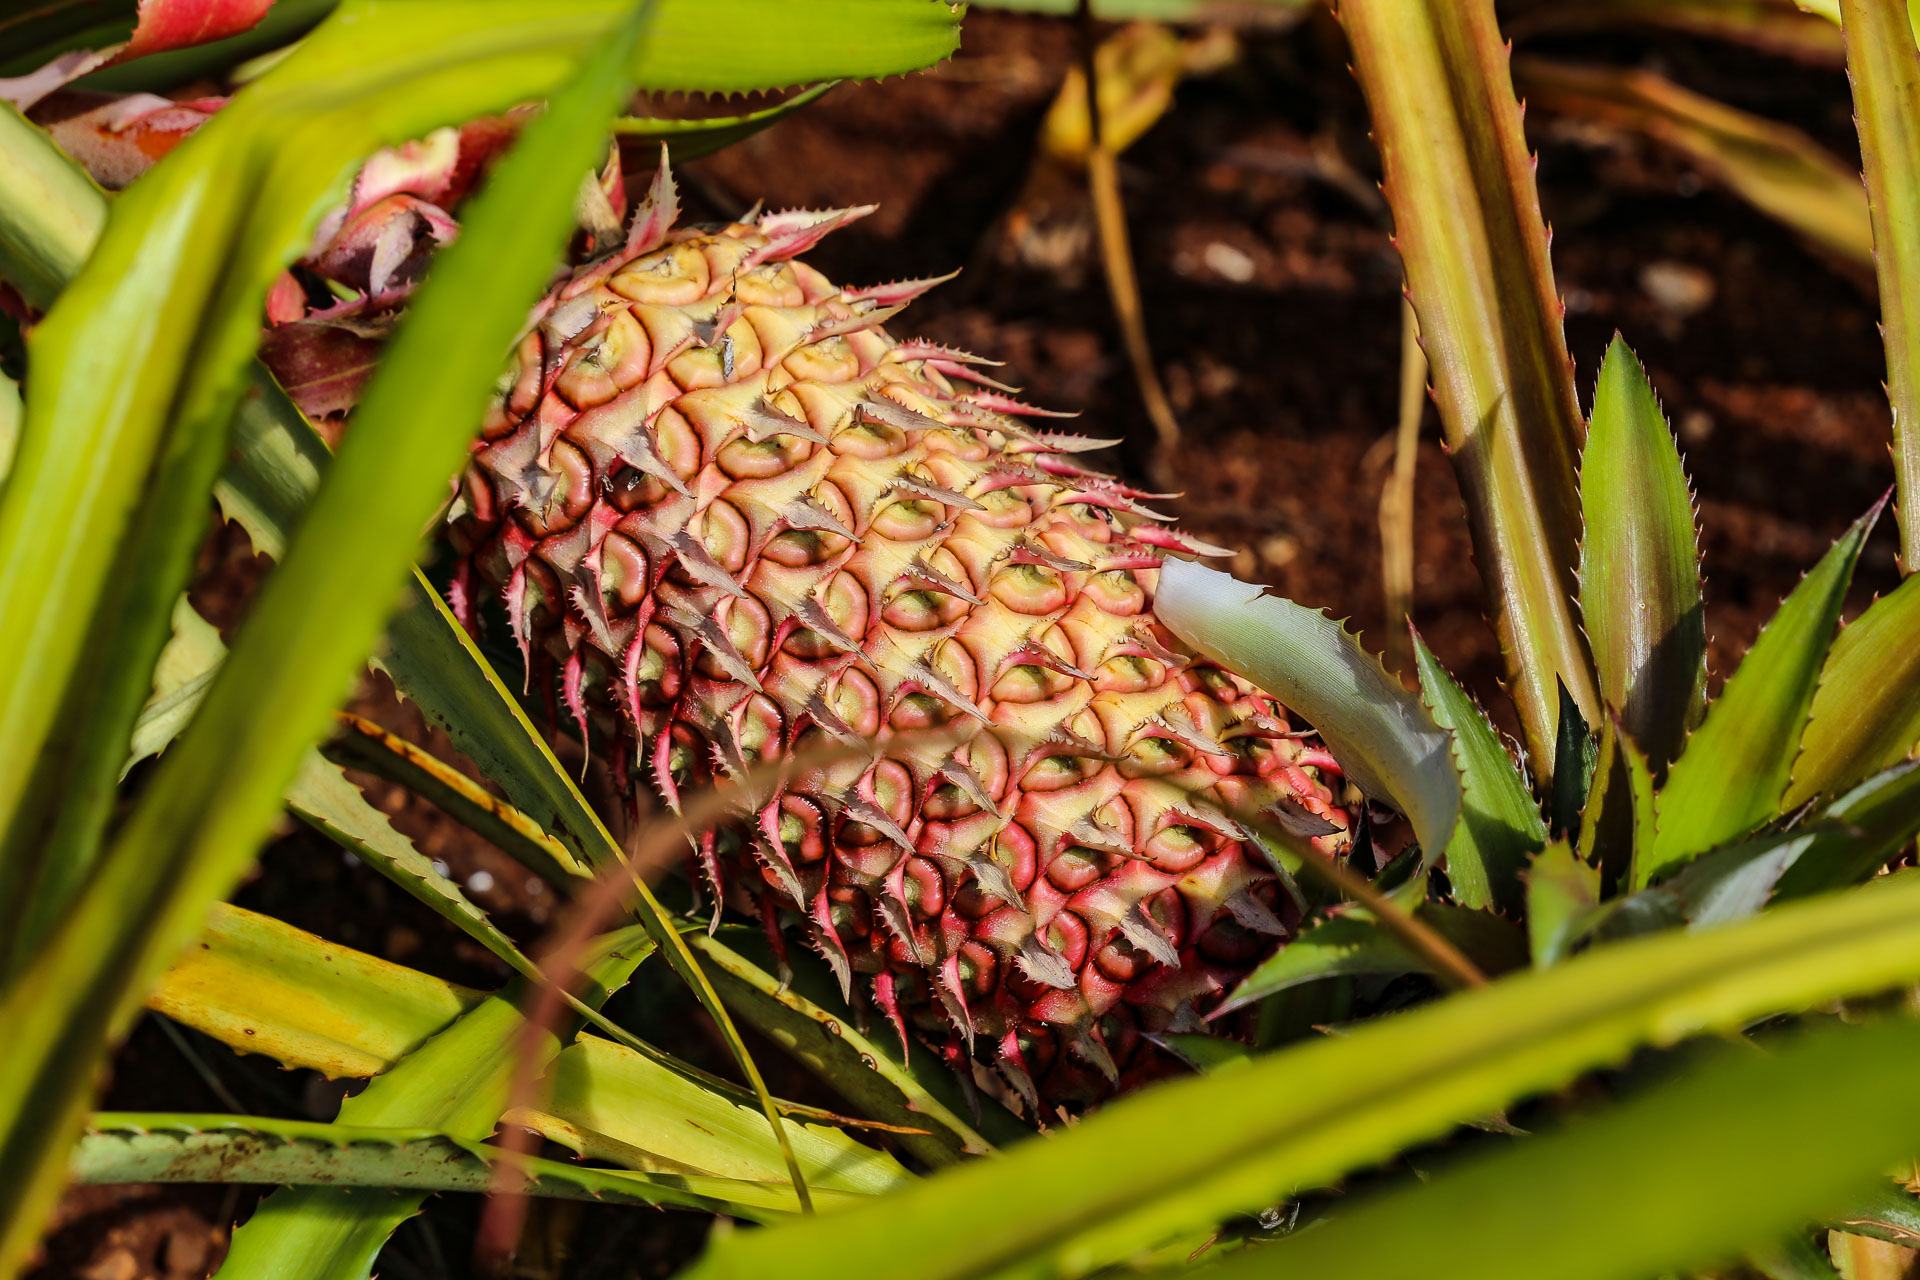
pixel 1776 168
pixel 1473 243
pixel 1866 711
pixel 1883 63
pixel 1184 1155
pixel 1640 564
pixel 1733 775
pixel 1381 735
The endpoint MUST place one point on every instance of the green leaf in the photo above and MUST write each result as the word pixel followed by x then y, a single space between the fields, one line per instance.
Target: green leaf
pixel 1354 943
pixel 1576 755
pixel 868 1074
pixel 10 411
pixel 1250 13
pixel 265 987
pixel 1467 223
pixel 1733 774
pixel 275 469
pixel 1204 1053
pixel 55 212
pixel 1777 169
pixel 362 744
pixel 196 827
pixel 1378 731
pixel 456 1083
pixel 180 680
pixel 1561 892
pixel 1689 1171
pixel 1181 1156
pixel 1858 833
pixel 1887 1213
pixel 324 798
pixel 1883 64
pixel 122 1147
pixel 690 139
pixel 1866 710
pixel 1499 822
pixel 258 985
pixel 1640 564
pixel 609 1108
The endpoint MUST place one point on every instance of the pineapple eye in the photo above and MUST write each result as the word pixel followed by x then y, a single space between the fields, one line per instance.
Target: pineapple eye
pixel 908 520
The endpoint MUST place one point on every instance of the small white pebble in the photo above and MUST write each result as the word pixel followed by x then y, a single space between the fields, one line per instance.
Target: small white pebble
pixel 1230 264
pixel 1677 287
pixel 480 881
pixel 1280 550
pixel 440 867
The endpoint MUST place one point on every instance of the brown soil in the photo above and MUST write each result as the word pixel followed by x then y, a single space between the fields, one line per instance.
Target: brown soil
pixel 1272 292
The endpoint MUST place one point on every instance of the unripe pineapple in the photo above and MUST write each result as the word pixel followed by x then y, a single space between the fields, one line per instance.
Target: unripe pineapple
pixel 733 516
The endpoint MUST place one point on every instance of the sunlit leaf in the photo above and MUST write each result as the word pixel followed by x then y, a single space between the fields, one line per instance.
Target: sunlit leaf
pixel 1689 1171
pixel 1561 891
pixel 1883 66
pixel 1467 224
pixel 1378 731
pixel 1733 774
pixel 1640 563
pixel 1499 822
pixel 1776 168
pixel 122 1147
pixel 1866 710
pixel 1178 1157
pixel 455 1083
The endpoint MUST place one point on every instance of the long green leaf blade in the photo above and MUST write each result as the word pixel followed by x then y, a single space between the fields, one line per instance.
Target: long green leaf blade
pixel 197 826
pixel 1733 774
pixel 1473 243
pixel 261 986
pixel 57 213
pixel 1866 710
pixel 1640 564
pixel 122 1147
pixel 1690 1172
pixel 456 1083
pixel 1500 825
pixel 1884 64
pixel 1778 169
pixel 1180 1156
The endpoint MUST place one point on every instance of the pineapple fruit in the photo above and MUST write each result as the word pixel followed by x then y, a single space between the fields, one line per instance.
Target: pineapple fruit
pixel 730 516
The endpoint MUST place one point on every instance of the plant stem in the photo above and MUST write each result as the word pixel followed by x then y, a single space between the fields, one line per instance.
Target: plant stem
pixel 1884 65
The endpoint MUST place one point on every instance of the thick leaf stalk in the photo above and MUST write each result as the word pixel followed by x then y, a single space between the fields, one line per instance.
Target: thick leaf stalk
pixel 1884 65
pixel 1474 245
